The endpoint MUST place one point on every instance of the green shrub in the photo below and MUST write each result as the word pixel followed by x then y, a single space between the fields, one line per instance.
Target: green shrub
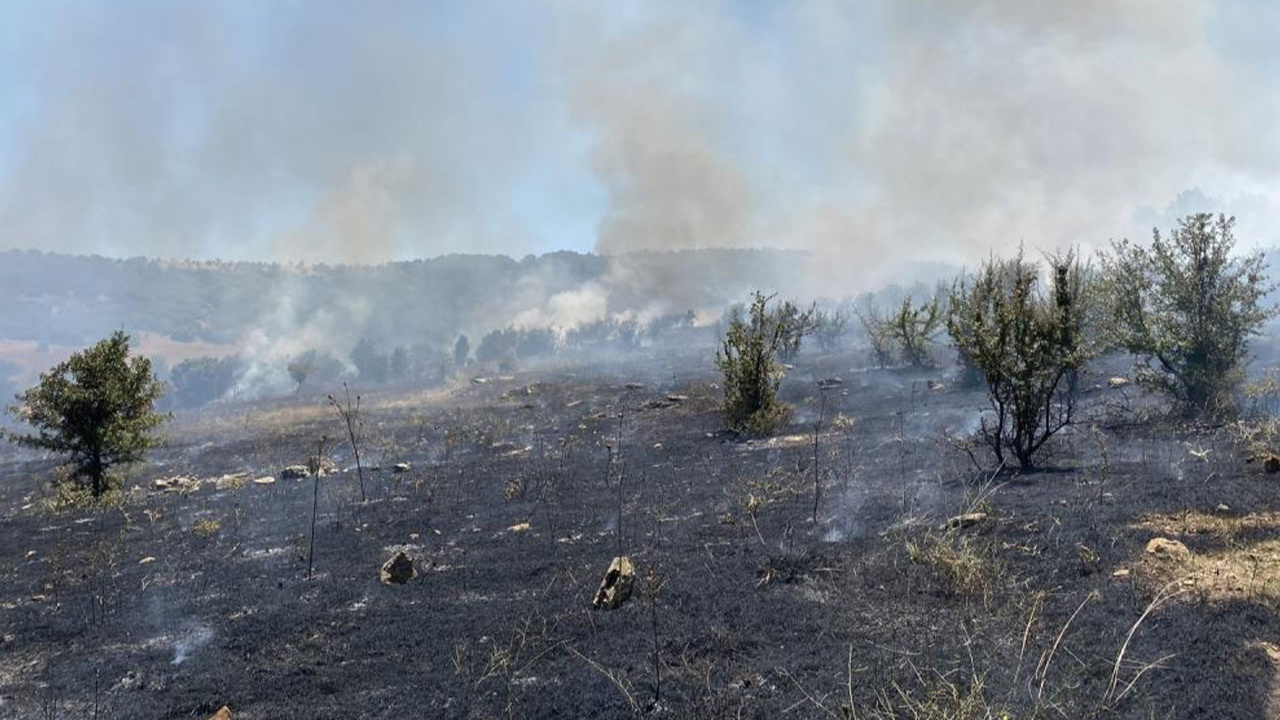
pixel 1187 309
pixel 1028 344
pixel 747 357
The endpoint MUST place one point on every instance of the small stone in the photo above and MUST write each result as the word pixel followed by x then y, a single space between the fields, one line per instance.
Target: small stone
pixel 31 554
pixel 1121 573
pixel 959 522
pixel 146 560
pixel 520 527
pixel 295 472
pixel 635 386
pixel 1117 382
pixel 1223 507
pixel 401 467
pixel 1166 548
pixel 677 398
pixel 616 586
pixel 398 570
pixel 224 713
pixel 268 480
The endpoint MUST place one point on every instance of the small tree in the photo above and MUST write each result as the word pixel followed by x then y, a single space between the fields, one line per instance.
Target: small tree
pixel 461 351
pixel 300 368
pixel 1025 343
pixel 913 330
pixel 794 324
pixel 747 357
pixel 1187 308
pixel 97 407
pixel 879 332
pixel 830 327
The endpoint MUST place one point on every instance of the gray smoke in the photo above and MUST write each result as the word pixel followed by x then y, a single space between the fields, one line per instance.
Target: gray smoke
pixel 875 132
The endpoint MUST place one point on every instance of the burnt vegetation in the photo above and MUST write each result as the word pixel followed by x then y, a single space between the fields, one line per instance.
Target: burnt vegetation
pixel 793 513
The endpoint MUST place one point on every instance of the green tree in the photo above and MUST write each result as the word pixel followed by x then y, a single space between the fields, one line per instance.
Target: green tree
pixel 97 407
pixel 1187 308
pixel 461 351
pixel 1027 345
pixel 300 368
pixel 747 357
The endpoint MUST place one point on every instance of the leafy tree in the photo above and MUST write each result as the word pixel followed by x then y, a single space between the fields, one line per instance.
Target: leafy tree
pixel 1025 342
pixel 830 327
pixel 1187 308
pixel 533 343
pixel 879 332
pixel 398 365
pixel 461 351
pixel 747 357
pixel 199 381
pixel 793 325
pixel 372 364
pixel 913 329
pixel 497 346
pixel 97 407
pixel 300 368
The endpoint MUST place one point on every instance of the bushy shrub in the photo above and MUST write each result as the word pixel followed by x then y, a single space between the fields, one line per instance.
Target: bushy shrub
pixel 830 327
pixel 97 408
pixel 1187 308
pixel 906 335
pixel 747 358
pixel 1027 343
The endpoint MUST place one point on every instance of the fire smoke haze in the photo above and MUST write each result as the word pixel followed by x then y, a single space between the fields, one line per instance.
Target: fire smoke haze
pixel 882 130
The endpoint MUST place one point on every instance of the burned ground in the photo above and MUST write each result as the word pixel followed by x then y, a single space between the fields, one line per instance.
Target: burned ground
pixel 521 491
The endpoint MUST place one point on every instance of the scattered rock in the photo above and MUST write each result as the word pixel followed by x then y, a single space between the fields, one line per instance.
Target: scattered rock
pixel 967 520
pixel 267 480
pixel 398 570
pixel 520 527
pixel 224 713
pixel 179 482
pixel 146 560
pixel 1117 382
pixel 323 466
pixel 1121 573
pixel 616 586
pixel 401 467
pixel 1166 548
pixel 295 472
pixel 235 481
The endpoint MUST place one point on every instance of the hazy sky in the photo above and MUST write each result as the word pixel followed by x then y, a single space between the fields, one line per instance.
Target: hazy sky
pixel 335 131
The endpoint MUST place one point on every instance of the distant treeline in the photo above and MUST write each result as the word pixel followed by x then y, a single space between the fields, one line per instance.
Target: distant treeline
pixel 75 300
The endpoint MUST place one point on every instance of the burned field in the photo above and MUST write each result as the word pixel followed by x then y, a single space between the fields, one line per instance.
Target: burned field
pixel 855 564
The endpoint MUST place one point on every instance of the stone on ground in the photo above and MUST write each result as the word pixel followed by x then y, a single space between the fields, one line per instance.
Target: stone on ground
pixel 295 472
pixel 1166 548
pixel 960 522
pixel 224 713
pixel 616 586
pixel 398 570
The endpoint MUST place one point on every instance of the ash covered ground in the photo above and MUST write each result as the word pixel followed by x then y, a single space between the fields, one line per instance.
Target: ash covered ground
pixel 521 489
